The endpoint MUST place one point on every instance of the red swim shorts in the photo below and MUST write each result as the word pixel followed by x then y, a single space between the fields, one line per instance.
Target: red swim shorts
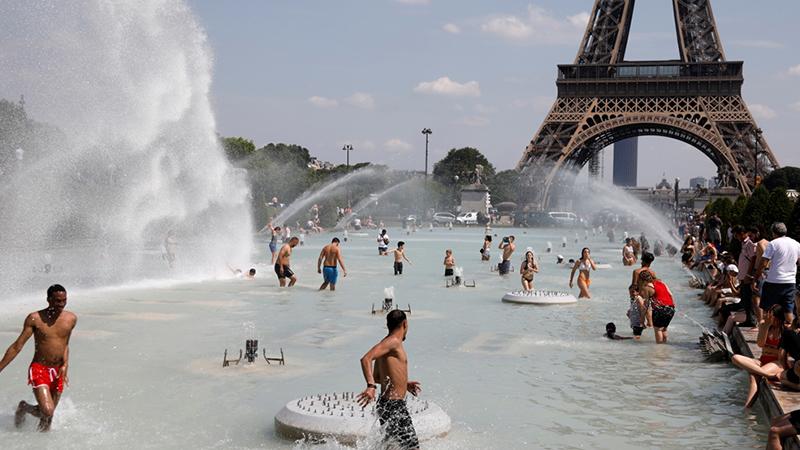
pixel 40 375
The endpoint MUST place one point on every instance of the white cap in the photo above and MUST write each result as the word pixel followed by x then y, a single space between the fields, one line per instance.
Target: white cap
pixel 732 268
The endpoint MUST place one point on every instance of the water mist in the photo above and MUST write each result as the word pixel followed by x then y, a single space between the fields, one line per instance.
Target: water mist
pixel 127 82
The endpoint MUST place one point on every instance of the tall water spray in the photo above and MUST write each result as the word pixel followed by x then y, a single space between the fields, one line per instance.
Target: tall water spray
pixel 127 82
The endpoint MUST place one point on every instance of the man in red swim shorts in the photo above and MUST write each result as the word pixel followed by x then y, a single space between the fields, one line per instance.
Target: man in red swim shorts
pixel 51 328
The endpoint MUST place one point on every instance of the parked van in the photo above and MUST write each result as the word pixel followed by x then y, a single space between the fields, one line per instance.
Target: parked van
pixel 468 218
pixel 564 218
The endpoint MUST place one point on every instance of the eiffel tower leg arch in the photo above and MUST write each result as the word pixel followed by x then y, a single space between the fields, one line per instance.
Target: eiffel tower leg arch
pixel 595 133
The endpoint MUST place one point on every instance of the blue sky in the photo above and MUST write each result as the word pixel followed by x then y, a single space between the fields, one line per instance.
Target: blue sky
pixel 373 73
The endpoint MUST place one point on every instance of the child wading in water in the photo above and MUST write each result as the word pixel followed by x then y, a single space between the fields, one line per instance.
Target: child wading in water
pixel 399 256
pixel 449 263
pixel 637 313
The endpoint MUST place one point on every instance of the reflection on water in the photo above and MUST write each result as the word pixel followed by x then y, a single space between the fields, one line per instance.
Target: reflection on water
pixel 146 363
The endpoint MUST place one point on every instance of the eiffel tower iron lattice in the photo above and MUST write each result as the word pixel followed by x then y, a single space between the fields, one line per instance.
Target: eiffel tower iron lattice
pixel 602 98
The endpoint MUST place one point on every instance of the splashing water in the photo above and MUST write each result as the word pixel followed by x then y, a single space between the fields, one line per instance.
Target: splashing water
pixel 127 83
pixel 317 193
pixel 360 206
pixel 609 196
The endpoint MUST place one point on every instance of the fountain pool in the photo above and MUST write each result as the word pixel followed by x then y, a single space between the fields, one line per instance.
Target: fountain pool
pixel 146 361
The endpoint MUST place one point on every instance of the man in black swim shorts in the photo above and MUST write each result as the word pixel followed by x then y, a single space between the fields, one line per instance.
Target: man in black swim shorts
pixel 387 364
pixel 282 269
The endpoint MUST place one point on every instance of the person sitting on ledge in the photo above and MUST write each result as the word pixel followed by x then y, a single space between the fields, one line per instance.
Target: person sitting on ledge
pixel 773 358
pixel 783 427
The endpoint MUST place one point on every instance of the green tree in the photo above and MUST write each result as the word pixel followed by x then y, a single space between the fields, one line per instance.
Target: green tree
pixel 756 210
pixel 505 186
pixel 461 162
pixel 786 177
pixel 738 209
pixel 779 208
pixel 237 148
pixel 794 222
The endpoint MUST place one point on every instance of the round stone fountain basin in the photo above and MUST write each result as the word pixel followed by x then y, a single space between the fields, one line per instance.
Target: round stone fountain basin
pixel 338 415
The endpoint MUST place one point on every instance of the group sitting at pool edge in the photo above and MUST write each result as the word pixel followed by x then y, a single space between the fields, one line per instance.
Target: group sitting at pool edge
pixel 753 284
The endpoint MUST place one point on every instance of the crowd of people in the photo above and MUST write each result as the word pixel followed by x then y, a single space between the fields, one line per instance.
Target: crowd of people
pixel 753 284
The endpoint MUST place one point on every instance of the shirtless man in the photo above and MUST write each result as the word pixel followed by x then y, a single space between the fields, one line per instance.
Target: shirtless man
pixel 391 370
pixel 282 266
pixel 51 328
pixel 332 255
pixel 399 255
pixel 507 246
pixel 449 263
pixel 647 259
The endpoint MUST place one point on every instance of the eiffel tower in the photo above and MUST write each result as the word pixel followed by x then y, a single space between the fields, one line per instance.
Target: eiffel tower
pixel 602 98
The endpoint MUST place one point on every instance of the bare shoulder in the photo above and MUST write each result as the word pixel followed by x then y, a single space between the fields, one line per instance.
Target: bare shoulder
pixel 70 317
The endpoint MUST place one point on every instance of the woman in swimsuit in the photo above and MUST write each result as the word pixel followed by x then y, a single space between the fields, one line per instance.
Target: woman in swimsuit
pixel 770 364
pixel 628 257
pixel 583 265
pixel 487 245
pixel 527 269
pixel 661 307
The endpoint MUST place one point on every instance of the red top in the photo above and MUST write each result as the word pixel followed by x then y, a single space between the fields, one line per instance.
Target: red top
pixel 662 295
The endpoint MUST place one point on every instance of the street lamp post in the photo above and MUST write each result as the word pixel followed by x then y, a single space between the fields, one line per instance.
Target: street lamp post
pixel 427 132
pixel 758 132
pixel 348 148
pixel 677 180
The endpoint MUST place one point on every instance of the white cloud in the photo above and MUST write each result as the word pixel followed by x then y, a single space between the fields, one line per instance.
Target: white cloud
pixel 361 100
pixel 509 27
pixel 795 70
pixel 323 102
pixel 446 86
pixel 795 106
pixel 538 27
pixel 763 112
pixel 397 145
pixel 413 2
pixel 451 28
pixel 474 121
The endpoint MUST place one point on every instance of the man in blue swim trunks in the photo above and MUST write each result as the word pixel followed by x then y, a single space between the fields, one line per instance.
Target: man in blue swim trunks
pixel 331 255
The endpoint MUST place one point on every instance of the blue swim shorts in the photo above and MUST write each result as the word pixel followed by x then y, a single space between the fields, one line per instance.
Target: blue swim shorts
pixel 330 274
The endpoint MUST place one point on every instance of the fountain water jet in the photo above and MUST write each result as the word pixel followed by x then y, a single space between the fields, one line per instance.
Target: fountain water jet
pixel 342 223
pixel 127 83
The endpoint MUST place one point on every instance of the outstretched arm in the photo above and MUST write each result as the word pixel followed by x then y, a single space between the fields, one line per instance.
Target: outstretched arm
pixel 378 351
pixel 14 349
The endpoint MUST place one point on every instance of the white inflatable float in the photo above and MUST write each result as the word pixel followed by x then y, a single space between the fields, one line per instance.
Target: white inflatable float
pixel 540 297
pixel 338 415
pixel 603 266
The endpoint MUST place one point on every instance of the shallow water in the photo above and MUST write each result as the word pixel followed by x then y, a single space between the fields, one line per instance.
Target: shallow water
pixel 146 362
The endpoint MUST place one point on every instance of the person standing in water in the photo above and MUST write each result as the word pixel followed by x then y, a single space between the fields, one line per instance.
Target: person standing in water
pixel 399 255
pixel 527 269
pixel 449 263
pixel 486 249
pixel 583 265
pixel 383 243
pixel 661 306
pixel 508 247
pixel 282 268
pixel 387 363
pixel 170 248
pixel 647 260
pixel 332 255
pixel 275 232
pixel 51 329
pixel 628 255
